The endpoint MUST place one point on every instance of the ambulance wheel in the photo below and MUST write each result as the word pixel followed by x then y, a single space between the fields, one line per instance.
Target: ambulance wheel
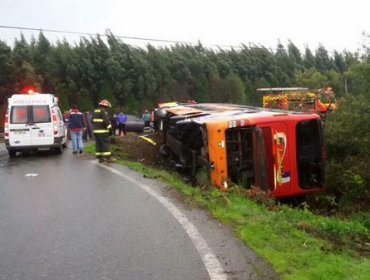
pixel 12 153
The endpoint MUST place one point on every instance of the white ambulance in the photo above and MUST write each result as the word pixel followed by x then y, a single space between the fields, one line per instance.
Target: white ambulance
pixel 34 122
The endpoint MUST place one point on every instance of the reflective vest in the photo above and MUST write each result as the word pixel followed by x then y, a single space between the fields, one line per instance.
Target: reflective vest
pixel 101 122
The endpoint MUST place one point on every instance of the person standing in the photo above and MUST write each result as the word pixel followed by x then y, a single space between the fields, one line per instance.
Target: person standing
pixel 102 125
pixel 87 134
pixel 90 125
pixel 84 133
pixel 121 120
pixel 76 126
pixel 146 118
pixel 66 115
pixel 113 121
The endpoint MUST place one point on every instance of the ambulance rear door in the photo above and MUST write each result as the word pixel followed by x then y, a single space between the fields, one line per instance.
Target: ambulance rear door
pixel 20 133
pixel 41 125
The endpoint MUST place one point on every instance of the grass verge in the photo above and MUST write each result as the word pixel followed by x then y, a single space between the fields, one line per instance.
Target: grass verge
pixel 299 244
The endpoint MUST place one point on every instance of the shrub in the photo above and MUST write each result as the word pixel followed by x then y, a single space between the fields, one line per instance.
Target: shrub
pixel 348 145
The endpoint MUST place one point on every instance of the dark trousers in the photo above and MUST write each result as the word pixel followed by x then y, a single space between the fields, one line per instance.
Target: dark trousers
pixel 113 131
pixel 121 129
pixel 87 134
pixel 102 145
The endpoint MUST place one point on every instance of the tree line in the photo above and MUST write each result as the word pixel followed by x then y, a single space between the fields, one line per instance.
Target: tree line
pixel 133 78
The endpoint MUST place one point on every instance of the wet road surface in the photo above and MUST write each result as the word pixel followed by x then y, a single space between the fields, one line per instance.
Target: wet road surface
pixel 66 217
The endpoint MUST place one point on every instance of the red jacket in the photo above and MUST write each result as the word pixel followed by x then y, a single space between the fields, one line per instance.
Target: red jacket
pixel 76 121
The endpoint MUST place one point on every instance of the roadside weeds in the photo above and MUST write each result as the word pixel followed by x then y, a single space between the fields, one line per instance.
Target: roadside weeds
pixel 298 243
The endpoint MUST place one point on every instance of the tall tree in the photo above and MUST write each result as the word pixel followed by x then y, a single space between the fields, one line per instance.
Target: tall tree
pixel 339 63
pixel 5 84
pixel 322 59
pixel 285 65
pixel 295 56
pixel 308 59
pixel 41 62
pixel 21 67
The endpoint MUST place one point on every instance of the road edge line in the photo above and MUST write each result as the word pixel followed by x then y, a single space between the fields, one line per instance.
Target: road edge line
pixel 210 261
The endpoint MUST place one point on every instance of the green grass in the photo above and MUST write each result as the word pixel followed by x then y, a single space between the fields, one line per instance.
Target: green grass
pixel 299 244
pixel 90 148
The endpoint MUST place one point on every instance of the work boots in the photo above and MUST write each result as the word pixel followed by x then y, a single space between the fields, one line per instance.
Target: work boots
pixel 111 159
pixel 107 160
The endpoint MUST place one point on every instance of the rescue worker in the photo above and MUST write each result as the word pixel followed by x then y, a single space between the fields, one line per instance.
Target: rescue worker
pixel 102 127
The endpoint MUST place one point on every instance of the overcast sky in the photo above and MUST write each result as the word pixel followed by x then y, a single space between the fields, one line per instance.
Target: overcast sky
pixel 335 24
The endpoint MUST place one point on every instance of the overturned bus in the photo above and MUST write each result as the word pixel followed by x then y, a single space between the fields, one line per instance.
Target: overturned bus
pixel 277 151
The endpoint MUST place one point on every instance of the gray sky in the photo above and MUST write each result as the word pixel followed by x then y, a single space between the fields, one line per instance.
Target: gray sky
pixel 335 24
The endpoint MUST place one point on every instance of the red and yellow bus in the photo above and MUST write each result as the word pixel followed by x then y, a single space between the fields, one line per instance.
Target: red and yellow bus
pixel 277 151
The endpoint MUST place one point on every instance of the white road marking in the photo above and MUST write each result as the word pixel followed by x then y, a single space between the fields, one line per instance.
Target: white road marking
pixel 209 259
pixel 31 175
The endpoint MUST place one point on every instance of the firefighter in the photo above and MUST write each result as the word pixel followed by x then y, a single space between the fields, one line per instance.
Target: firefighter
pixel 102 126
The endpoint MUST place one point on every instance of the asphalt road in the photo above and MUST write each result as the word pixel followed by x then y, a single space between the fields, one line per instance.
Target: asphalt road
pixel 67 217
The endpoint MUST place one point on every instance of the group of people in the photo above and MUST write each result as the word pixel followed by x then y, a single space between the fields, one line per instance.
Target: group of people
pixel 95 126
pixel 98 126
pixel 119 124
